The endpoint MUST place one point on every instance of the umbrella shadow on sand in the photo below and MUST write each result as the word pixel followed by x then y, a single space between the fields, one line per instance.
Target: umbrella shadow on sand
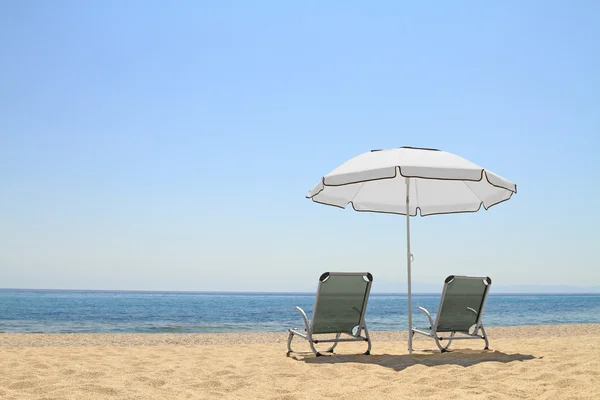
pixel 399 362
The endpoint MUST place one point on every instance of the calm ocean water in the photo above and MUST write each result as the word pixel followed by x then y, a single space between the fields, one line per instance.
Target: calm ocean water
pixel 117 311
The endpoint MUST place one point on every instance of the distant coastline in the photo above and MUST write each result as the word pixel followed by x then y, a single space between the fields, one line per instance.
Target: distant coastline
pixel 499 291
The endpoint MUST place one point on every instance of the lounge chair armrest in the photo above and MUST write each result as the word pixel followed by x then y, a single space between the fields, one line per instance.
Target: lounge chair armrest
pixel 428 316
pixel 304 317
pixel 471 309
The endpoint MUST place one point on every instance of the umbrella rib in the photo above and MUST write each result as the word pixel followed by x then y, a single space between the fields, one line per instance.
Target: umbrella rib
pixel 356 194
pixel 475 194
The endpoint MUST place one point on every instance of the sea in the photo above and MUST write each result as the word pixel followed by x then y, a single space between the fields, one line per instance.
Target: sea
pixel 82 311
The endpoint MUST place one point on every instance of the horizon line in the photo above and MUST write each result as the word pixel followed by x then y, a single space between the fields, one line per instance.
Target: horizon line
pixel 242 292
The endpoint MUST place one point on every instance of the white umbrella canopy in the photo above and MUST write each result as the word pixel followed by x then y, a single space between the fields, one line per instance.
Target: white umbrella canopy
pixel 440 183
pixel 437 182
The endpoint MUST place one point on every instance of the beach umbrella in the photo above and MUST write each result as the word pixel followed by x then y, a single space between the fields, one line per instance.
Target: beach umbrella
pixel 406 179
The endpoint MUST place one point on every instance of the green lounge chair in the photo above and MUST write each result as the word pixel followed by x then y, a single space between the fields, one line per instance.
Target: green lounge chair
pixel 461 308
pixel 339 308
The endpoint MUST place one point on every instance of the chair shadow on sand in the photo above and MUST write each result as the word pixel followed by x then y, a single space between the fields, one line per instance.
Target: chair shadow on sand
pixel 464 358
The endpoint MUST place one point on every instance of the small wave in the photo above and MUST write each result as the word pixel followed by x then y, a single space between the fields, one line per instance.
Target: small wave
pixel 171 329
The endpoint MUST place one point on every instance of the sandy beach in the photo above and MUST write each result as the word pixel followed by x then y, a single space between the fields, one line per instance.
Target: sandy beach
pixel 545 362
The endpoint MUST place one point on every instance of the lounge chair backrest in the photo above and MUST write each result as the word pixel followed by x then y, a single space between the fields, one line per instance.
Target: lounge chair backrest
pixel 341 301
pixel 462 302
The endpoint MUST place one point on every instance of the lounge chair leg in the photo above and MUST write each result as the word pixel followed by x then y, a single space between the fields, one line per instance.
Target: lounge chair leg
pixel 443 349
pixel 330 350
pixel 487 344
pixel 312 346
pixel 438 344
pixel 368 352
pixel 289 343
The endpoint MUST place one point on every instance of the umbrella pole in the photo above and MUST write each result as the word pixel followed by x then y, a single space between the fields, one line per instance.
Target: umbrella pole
pixel 408 264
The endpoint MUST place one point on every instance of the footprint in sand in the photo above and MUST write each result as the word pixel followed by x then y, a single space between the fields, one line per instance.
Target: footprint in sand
pixel 212 384
pixel 157 382
pixel 22 385
pixel 565 383
pixel 68 371
pixel 223 372
pixel 107 390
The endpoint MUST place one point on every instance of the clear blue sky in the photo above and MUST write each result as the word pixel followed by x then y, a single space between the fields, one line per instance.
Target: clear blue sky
pixel 146 146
